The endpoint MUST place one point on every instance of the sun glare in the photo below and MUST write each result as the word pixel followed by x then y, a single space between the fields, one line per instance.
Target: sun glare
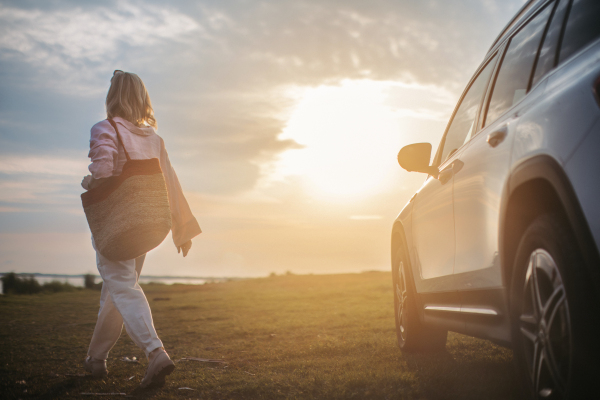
pixel 350 138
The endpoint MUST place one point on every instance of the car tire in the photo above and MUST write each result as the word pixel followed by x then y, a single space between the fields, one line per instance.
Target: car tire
pixel 553 314
pixel 412 334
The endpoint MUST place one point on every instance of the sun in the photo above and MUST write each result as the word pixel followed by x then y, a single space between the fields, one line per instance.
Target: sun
pixel 350 139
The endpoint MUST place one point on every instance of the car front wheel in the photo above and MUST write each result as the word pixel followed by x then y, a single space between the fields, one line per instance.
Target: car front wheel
pixel 412 335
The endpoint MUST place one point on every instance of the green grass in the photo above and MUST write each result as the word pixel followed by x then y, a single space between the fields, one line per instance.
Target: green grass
pixel 293 336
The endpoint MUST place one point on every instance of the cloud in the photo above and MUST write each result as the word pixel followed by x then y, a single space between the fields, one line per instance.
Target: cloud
pixel 12 209
pixel 31 190
pixel 34 184
pixel 12 164
pixel 71 42
pixel 258 43
pixel 312 41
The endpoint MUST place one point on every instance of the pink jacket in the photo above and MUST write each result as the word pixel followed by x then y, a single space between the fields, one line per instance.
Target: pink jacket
pixel 141 143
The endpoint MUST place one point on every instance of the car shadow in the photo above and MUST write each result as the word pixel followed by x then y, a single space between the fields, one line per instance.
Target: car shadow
pixel 464 374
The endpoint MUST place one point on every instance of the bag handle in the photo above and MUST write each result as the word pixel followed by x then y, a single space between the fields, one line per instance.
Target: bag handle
pixel 114 125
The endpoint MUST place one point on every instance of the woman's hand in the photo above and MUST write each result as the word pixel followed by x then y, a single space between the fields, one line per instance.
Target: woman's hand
pixel 185 247
pixel 88 182
pixel 85 182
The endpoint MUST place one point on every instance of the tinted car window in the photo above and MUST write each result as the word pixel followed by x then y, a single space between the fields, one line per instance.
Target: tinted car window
pixel 463 124
pixel 583 26
pixel 548 56
pixel 515 71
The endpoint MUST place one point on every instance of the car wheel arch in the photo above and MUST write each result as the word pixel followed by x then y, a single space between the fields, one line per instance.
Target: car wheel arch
pixel 398 241
pixel 536 186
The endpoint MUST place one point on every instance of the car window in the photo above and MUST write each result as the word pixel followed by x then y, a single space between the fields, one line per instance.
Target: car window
pixel 583 26
pixel 463 124
pixel 547 58
pixel 515 70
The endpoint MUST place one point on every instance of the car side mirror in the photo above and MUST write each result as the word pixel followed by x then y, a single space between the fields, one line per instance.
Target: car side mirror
pixel 415 157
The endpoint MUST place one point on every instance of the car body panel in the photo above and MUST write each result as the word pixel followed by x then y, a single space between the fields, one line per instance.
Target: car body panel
pixel 585 162
pixel 433 229
pixel 478 187
pixel 432 233
pixel 556 122
pixel 478 191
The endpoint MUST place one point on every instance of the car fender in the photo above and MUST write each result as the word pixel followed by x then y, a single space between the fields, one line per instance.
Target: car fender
pixel 402 230
pixel 544 171
pixel 400 234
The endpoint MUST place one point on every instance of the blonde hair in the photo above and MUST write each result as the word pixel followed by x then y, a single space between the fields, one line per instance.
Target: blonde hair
pixel 128 98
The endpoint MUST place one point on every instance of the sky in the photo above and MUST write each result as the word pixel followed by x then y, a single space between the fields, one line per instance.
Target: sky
pixel 282 119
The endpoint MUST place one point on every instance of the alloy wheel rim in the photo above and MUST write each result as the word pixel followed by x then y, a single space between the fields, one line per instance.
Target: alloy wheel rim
pixel 401 295
pixel 545 327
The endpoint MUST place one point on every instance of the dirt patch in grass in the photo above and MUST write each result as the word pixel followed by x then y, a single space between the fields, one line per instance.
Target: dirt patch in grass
pixel 292 336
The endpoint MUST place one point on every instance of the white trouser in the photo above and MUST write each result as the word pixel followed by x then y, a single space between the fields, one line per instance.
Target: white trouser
pixel 122 300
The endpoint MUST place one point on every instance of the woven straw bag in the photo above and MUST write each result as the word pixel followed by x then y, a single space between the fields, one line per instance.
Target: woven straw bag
pixel 129 214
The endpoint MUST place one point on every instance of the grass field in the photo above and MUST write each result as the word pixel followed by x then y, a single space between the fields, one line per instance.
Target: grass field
pixel 293 336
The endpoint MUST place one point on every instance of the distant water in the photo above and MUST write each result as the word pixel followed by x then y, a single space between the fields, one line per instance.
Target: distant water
pixel 77 280
pixel 73 280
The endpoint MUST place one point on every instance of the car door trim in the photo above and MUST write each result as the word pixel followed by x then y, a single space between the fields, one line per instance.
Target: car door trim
pixel 464 310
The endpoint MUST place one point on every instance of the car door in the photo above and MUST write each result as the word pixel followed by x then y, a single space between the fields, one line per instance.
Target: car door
pixel 478 186
pixel 433 213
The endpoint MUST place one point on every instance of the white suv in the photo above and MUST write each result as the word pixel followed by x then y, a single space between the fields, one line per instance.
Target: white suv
pixel 501 241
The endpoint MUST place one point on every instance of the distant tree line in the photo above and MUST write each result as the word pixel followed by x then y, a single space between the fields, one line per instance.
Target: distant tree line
pixel 89 282
pixel 15 284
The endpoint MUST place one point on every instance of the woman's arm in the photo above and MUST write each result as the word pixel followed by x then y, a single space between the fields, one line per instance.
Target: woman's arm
pixel 104 152
pixel 184 225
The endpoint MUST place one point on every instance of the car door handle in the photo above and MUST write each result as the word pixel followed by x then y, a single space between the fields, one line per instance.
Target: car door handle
pixel 496 137
pixel 445 174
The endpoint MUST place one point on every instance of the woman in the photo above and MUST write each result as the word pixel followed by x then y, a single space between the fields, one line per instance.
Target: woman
pixel 122 299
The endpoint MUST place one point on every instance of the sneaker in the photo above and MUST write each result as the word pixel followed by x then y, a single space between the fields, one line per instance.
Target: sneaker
pixel 157 370
pixel 96 367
